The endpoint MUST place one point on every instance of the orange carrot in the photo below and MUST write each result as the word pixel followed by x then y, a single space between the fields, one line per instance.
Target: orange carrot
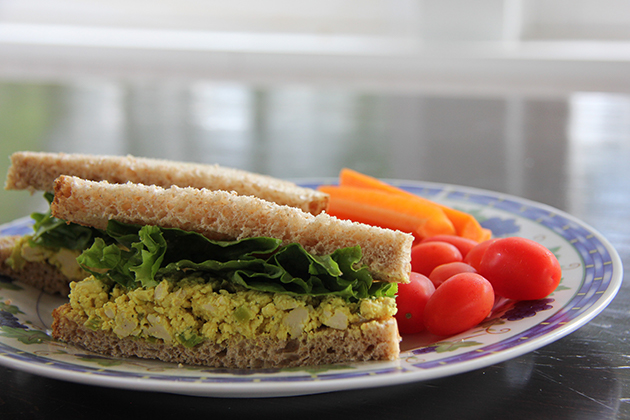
pixel 351 178
pixel 392 211
pixel 465 224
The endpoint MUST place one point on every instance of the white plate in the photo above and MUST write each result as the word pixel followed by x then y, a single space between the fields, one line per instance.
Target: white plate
pixel 592 274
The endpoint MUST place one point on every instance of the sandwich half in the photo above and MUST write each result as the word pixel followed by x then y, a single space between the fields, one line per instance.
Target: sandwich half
pixel 46 259
pixel 213 278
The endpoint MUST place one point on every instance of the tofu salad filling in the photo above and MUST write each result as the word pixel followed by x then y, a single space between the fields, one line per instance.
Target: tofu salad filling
pixel 190 310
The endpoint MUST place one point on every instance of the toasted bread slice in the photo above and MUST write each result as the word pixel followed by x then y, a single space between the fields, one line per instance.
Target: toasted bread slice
pixel 374 340
pixel 37 171
pixel 228 216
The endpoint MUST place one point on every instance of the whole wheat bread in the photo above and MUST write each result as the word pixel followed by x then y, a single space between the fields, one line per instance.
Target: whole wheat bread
pixel 224 215
pixel 374 340
pixel 38 170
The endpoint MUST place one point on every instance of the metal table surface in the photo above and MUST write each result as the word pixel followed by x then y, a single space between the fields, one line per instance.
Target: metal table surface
pixel 570 152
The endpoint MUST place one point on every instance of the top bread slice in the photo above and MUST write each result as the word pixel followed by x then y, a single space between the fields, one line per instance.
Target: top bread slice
pixel 226 215
pixel 38 171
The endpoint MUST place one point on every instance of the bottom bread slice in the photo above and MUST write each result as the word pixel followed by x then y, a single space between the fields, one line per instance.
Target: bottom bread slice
pixel 41 275
pixel 374 340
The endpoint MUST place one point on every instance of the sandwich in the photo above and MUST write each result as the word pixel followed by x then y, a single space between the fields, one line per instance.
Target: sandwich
pixel 213 278
pixel 46 259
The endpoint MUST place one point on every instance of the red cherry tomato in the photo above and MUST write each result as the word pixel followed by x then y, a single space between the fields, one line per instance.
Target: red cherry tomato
pixel 460 303
pixel 474 255
pixel 520 269
pixel 427 255
pixel 463 244
pixel 411 300
pixel 443 272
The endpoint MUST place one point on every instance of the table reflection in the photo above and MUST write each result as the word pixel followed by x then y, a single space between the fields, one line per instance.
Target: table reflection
pixel 305 131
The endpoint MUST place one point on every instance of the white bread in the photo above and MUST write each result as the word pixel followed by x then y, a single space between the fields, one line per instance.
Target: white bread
pixel 37 171
pixel 375 340
pixel 224 215
pixel 40 275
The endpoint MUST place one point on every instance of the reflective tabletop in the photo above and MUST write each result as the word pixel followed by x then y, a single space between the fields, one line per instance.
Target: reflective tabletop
pixel 568 151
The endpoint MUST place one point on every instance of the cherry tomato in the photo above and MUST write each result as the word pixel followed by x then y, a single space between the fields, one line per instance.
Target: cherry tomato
pixel 463 244
pixel 443 272
pixel 411 300
pixel 474 255
pixel 460 303
pixel 520 269
pixel 427 255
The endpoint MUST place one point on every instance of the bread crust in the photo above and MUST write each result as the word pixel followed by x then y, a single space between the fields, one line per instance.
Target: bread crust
pixel 38 170
pixel 228 216
pixel 40 275
pixel 375 340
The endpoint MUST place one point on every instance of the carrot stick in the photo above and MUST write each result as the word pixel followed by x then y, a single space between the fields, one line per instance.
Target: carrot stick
pixel 392 211
pixel 351 178
pixel 465 224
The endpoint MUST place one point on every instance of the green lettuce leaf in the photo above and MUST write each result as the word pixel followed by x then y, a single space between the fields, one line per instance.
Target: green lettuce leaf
pixel 51 232
pixel 141 256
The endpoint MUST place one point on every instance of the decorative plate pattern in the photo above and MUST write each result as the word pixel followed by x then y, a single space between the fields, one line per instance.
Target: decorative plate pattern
pixel 592 275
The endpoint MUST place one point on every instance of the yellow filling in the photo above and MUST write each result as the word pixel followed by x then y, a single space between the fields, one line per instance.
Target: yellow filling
pixel 64 259
pixel 190 310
